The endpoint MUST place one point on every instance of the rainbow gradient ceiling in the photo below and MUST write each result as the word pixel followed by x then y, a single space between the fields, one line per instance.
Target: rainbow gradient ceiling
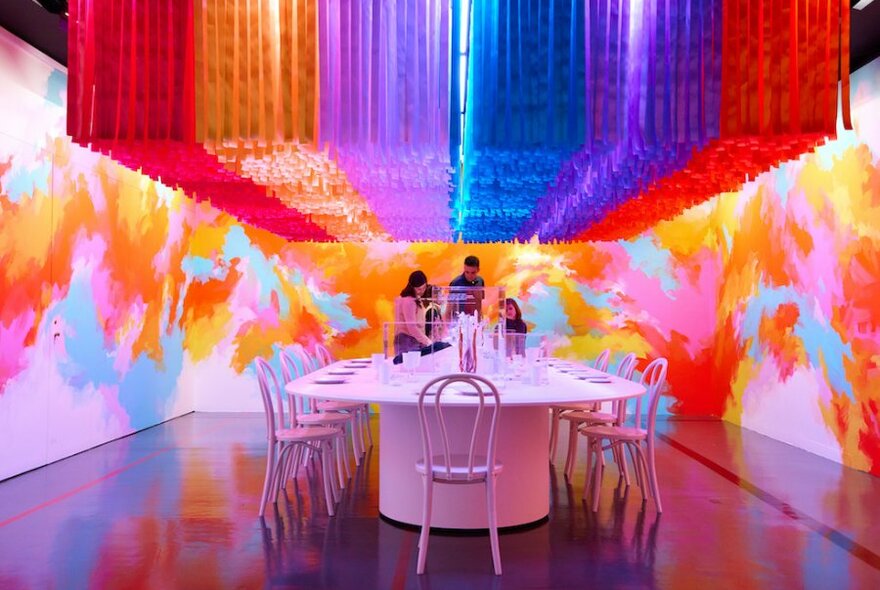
pixel 441 120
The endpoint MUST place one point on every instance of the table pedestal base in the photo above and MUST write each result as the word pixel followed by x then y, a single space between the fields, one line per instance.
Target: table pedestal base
pixel 523 490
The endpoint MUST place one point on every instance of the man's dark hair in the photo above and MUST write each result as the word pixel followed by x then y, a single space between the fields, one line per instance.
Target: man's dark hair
pixel 472 261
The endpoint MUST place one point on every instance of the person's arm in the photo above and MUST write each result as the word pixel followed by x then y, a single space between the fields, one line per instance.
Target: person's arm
pixel 410 323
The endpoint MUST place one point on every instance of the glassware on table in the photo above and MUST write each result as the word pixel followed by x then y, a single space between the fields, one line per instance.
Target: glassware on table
pixel 411 362
pixel 376 359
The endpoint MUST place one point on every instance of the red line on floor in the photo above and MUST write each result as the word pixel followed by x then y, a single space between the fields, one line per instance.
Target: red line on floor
pixel 849 545
pixel 85 486
pixel 403 558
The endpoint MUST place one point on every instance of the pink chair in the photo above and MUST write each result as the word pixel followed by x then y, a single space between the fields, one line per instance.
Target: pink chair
pixel 281 442
pixel 452 467
pixel 639 441
pixel 578 415
pixel 345 422
pixel 323 358
pixel 600 364
pixel 322 355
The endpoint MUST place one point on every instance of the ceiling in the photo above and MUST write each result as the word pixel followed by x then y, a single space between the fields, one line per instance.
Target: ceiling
pixel 48 32
pixel 518 181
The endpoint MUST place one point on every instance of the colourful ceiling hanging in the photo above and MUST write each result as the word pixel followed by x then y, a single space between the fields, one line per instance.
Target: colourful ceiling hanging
pixel 330 119
pixel 257 97
pixel 736 87
pixel 524 110
pixel 384 111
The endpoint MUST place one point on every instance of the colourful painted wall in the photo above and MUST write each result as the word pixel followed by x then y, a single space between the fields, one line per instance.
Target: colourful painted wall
pixel 799 299
pixel 124 303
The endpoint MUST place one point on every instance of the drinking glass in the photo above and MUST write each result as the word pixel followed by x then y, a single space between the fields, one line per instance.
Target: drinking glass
pixel 411 361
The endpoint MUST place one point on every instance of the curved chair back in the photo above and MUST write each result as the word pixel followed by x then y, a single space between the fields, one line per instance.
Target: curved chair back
pixel 601 362
pixel 627 366
pixel 653 378
pixel 301 355
pixel 290 370
pixel 625 369
pixel 266 377
pixel 482 389
pixel 322 355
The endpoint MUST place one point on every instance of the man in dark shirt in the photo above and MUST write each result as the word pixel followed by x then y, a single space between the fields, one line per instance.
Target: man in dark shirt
pixel 466 296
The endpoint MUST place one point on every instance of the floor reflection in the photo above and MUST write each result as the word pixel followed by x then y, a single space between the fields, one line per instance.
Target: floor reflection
pixel 175 507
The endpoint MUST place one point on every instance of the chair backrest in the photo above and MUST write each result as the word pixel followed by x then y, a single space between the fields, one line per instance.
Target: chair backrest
pixel 653 378
pixel 300 354
pixel 483 390
pixel 322 355
pixel 266 377
pixel 601 362
pixel 627 366
pixel 290 370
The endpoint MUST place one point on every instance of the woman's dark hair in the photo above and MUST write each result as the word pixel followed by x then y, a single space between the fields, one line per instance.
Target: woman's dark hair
pixel 416 279
pixel 510 301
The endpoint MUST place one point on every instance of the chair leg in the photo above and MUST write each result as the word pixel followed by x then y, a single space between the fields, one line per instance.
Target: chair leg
pixel 652 475
pixel 279 471
pixel 427 503
pixel 270 473
pixel 367 423
pixel 341 462
pixel 640 458
pixel 326 462
pixel 297 461
pixel 620 459
pixel 554 434
pixel 493 523
pixel 356 436
pixel 636 466
pixel 571 455
pixel 588 474
pixel 334 467
pixel 598 472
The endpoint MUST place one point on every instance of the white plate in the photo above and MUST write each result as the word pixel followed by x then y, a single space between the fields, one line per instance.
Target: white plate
pixel 363 361
pixel 594 380
pixel 340 372
pixel 329 380
pixel 358 366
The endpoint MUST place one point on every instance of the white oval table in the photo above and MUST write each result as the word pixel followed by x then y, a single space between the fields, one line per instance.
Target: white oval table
pixel 523 491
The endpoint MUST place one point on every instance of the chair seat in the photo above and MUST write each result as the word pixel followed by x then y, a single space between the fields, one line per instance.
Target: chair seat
pixel 590 417
pixel 320 418
pixel 579 406
pixel 312 433
pixel 459 468
pixel 619 432
pixel 331 406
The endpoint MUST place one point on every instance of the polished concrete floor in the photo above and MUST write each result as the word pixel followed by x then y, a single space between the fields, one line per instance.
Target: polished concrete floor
pixel 175 507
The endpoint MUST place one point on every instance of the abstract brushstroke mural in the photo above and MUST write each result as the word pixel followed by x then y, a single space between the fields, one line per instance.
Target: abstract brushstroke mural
pixel 125 302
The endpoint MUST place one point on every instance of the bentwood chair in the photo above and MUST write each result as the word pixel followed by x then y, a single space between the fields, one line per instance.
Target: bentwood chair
pixel 322 355
pixel 307 364
pixel 640 442
pixel 281 442
pixel 445 465
pixel 322 358
pixel 600 364
pixel 345 422
pixel 578 415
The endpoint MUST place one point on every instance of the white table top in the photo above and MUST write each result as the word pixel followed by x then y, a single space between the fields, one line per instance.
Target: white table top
pixel 363 386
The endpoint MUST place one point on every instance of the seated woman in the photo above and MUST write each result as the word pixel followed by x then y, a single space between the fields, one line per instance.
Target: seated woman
pixel 515 328
pixel 434 327
pixel 409 315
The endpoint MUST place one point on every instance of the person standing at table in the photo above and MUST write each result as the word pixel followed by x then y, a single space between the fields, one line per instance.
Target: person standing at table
pixel 409 315
pixel 466 293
